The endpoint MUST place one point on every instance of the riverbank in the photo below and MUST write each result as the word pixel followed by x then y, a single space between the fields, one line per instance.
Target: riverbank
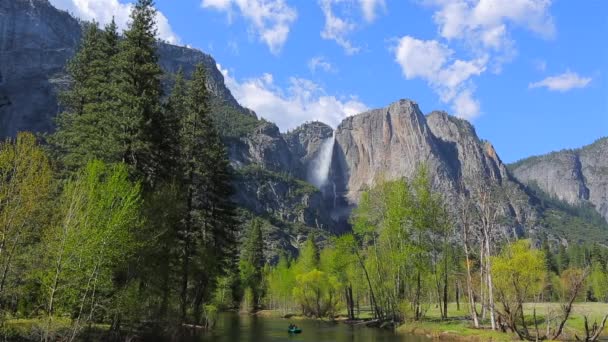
pixel 452 330
pixel 459 328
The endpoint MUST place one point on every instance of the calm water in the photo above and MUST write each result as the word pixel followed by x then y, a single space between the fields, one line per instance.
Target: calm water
pixel 234 327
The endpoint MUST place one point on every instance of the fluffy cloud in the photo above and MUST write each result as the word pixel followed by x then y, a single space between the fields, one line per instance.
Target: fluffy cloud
pixel 320 63
pixel 482 27
pixel 433 62
pixel 271 19
pixel 484 22
pixel 564 82
pixel 339 25
pixel 103 11
pixel 302 101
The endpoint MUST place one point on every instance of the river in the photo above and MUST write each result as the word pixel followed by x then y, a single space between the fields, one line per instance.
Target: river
pixel 232 327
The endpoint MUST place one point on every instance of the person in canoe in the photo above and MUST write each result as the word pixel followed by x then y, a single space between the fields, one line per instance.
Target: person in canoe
pixel 294 329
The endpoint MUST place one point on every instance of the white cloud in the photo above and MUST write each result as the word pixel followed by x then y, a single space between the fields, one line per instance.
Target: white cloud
pixel 102 11
pixel 482 27
pixel 369 8
pixel 302 101
pixel 320 63
pixel 337 28
pixel 271 19
pixel 340 23
pixel 563 82
pixel 485 22
pixel 433 62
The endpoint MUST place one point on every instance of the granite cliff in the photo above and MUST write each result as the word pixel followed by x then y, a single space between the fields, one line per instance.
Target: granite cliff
pixel 578 176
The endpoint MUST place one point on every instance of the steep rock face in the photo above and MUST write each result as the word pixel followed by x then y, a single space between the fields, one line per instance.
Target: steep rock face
pixel 385 143
pixel 305 144
pixel 574 176
pixel 173 58
pixel 267 148
pixel 281 196
pixel 33 54
pixel 468 157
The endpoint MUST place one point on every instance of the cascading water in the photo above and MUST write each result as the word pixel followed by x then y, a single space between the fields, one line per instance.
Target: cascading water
pixel 319 172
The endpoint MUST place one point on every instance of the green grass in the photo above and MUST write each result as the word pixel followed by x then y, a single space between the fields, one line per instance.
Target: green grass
pixel 458 327
pixel 33 328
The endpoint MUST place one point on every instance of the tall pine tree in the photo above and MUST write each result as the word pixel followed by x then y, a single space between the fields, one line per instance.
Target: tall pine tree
pixel 207 237
pixel 86 129
pixel 252 261
pixel 140 95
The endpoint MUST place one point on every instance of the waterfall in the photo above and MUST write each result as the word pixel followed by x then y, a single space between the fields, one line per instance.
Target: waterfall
pixel 319 172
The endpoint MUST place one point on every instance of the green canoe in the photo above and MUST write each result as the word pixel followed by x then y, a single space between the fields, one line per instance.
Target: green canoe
pixel 294 330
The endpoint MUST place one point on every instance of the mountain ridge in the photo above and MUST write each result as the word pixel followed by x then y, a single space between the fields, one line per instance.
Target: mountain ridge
pixel 576 176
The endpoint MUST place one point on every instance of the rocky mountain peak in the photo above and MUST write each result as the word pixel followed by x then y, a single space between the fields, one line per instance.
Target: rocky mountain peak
pixel 305 141
pixel 390 142
pixel 575 176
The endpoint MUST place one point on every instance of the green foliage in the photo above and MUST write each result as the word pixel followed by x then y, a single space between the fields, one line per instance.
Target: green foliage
pixel 88 128
pixel 599 282
pixel 230 121
pixel 404 227
pixel 518 273
pixel 254 172
pixel 309 256
pixel 252 263
pixel 579 223
pixel 317 293
pixel 93 234
pixel 25 189
pixel 281 281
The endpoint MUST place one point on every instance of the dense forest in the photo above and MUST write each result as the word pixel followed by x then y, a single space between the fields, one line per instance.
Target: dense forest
pixel 121 223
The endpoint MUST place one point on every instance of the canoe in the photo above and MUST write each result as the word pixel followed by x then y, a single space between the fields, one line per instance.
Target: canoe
pixel 294 330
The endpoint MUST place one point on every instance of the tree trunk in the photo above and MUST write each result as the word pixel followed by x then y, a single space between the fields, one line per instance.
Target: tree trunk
pixel 490 284
pixel 445 288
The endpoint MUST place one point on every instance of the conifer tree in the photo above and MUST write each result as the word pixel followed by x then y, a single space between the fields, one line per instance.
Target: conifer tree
pixel 140 94
pixel 252 260
pixel 87 129
pixel 207 238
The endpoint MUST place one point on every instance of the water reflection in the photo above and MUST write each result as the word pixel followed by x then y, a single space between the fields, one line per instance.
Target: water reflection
pixel 233 328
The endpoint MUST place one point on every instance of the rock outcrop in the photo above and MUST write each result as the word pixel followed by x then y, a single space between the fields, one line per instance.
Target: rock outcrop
pixel 306 140
pixel 385 143
pixel 575 176
pixel 33 54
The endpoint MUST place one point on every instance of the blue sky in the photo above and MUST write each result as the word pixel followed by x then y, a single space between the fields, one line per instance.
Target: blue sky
pixel 529 74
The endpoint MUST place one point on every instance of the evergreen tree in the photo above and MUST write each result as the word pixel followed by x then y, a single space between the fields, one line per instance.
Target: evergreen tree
pixel 87 128
pixel 549 257
pixel 173 113
pixel 252 261
pixel 563 259
pixel 140 93
pixel 309 256
pixel 207 238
